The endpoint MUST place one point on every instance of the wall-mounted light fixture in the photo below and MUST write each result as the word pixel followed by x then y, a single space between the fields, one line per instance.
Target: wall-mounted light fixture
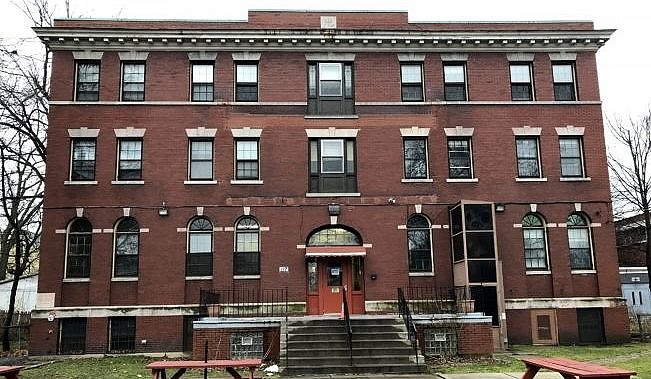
pixel 163 211
pixel 334 209
pixel 500 207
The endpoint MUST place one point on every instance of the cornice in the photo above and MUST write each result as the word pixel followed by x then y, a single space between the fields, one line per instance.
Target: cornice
pixel 320 40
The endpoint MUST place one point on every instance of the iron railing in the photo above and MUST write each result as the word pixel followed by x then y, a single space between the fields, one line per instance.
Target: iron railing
pixel 349 328
pixel 437 300
pixel 403 310
pixel 244 302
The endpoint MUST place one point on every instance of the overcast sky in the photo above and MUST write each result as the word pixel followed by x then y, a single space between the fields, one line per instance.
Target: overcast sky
pixel 624 63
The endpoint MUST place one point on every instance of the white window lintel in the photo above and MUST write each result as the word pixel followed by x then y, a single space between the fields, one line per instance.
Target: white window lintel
pixel 459 131
pixel 411 57
pixel 331 133
pixel 527 131
pixel 570 130
pixel 246 132
pixel 130 132
pixel 133 55
pixel 202 55
pixel 87 55
pixel 83 132
pixel 201 132
pixel 246 56
pixel 414 131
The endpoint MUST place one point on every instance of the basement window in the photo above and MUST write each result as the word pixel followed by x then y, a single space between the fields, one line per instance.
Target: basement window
pixel 441 342
pixel 246 345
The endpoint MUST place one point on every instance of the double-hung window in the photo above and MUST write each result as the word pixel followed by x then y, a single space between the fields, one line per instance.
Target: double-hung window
pixel 415 158
pixel 535 243
pixel 330 88
pixel 454 78
pixel 460 158
pixel 202 81
pixel 564 81
pixel 521 82
pixel 133 81
pixel 80 243
pixel 127 241
pixel 332 166
pixel 419 238
pixel 571 149
pixel 528 157
pixel 247 159
pixel 87 86
pixel 201 159
pixel 199 259
pixel 247 247
pixel 129 159
pixel 411 78
pixel 82 165
pixel 579 240
pixel 246 81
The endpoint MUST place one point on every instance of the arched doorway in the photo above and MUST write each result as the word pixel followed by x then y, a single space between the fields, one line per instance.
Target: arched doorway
pixel 335 260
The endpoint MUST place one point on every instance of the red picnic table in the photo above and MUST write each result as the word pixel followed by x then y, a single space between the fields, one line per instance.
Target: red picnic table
pixel 10 372
pixel 158 368
pixel 571 369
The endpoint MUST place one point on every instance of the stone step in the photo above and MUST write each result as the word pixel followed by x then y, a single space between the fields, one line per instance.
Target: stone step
pixel 333 344
pixel 357 351
pixel 411 368
pixel 338 336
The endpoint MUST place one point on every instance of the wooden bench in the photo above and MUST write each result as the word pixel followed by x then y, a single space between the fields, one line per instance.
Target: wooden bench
pixel 158 368
pixel 10 372
pixel 570 369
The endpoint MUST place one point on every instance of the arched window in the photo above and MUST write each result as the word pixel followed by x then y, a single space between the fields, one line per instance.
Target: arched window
pixel 199 259
pixel 127 244
pixel 578 238
pixel 247 247
pixel 419 236
pixel 80 239
pixel 334 236
pixel 535 242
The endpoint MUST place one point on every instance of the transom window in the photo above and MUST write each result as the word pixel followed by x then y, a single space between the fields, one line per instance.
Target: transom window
pixel 127 246
pixel 82 165
pixel 80 239
pixel 460 158
pixel 579 240
pixel 201 160
pixel 129 159
pixel 87 88
pixel 571 149
pixel 564 83
pixel 419 236
pixel 199 259
pixel 411 77
pixel 521 82
pixel 247 247
pixel 415 155
pixel 454 77
pixel 330 88
pixel 202 82
pixel 334 236
pixel 247 160
pixel 535 242
pixel 133 81
pixel 332 165
pixel 246 82
pixel 527 155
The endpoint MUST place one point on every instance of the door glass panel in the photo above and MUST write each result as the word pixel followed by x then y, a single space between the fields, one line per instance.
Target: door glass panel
pixel 358 273
pixel 334 274
pixel 312 276
pixel 544 327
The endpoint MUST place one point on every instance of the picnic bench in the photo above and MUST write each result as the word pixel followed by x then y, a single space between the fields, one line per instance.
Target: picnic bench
pixel 570 369
pixel 10 372
pixel 158 368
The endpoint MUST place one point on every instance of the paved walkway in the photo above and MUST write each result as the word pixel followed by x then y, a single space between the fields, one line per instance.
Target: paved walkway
pixel 510 375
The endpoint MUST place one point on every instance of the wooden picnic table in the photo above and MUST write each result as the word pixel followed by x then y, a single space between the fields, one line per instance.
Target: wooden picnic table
pixel 571 369
pixel 158 368
pixel 10 372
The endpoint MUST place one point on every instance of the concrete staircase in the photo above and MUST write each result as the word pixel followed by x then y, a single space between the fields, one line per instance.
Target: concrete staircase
pixel 318 346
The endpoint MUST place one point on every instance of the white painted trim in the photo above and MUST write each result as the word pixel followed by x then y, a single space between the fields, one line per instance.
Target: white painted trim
pixel 181 230
pixel 414 131
pixel 108 231
pixel 470 180
pixel 80 182
pixel 517 226
pixel 421 274
pixel 417 180
pixel 326 194
pixel 246 56
pixel 133 55
pixel 130 132
pixel 562 225
pixel 265 228
pixel 300 246
pixel 552 225
pixel 304 103
pixel 199 182
pixel 564 302
pixel 411 57
pixel 459 131
pixel 246 132
pixel 595 225
pixel 458 57
pixel 527 131
pixel 75 280
pixel 570 130
pixel 247 182
pixel 578 179
pixel 520 57
pixel 402 227
pixel 218 229
pixel 542 272
pixel 97 231
pixel 144 230
pixel 200 132
pixel 583 272
pixel 562 56
pixel 240 277
pixel 367 245
pixel 128 182
pixel 530 179
pixel 79 211
pixel 331 132
pixel 229 229
pixel 331 117
pixel 87 55
pixel 83 132
pixel 207 277
pixel 60 231
pixel 125 279
pixel 202 55
pixel 330 56
pixel 116 310
pixel 418 208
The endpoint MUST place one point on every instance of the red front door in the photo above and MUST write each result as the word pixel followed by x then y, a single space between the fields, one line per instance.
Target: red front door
pixel 334 275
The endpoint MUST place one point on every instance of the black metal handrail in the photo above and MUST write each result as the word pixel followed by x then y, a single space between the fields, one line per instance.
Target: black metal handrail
pixel 244 302
pixel 403 310
pixel 349 328
pixel 436 300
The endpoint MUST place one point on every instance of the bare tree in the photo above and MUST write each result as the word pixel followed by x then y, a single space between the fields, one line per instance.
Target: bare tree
pixel 24 96
pixel 630 171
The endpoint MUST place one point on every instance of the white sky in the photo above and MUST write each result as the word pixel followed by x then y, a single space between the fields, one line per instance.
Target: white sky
pixel 624 63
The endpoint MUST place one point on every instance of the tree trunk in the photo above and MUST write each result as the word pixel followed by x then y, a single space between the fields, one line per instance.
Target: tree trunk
pixel 5 249
pixel 6 346
pixel 647 247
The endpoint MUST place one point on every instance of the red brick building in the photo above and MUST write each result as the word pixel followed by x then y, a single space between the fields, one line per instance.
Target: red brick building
pixel 311 151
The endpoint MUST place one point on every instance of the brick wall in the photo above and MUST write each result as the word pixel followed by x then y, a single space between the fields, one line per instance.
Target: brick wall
pixel 475 339
pixel 219 341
